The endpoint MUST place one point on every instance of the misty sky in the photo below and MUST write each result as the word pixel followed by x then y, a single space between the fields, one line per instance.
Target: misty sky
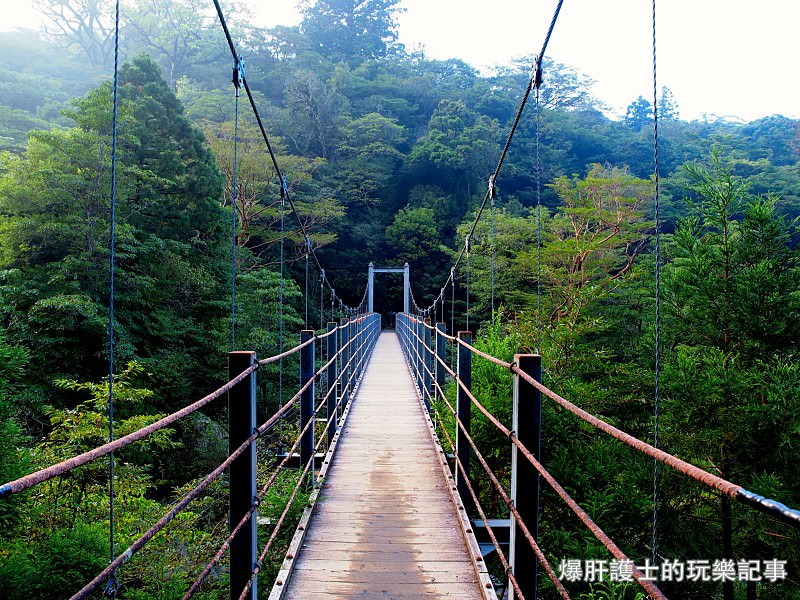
pixel 727 58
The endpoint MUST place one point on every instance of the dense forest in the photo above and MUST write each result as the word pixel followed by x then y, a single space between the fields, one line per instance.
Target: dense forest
pixel 387 154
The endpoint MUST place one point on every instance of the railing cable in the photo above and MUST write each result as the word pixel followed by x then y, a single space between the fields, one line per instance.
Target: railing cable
pixel 65 466
pixel 248 515
pixel 183 503
pixel 509 503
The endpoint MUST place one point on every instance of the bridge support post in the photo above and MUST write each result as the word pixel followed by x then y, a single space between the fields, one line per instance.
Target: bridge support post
pixel 427 363
pixel 400 328
pixel 527 423
pixel 242 487
pixel 362 348
pixel 406 289
pixel 351 372
pixel 464 410
pixel 331 414
pixel 371 288
pixel 418 355
pixel 407 339
pixel 441 350
pixel 307 401
pixel 344 393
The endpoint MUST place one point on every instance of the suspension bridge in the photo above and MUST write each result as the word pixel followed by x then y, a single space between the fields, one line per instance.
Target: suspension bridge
pixel 393 511
pixel 388 516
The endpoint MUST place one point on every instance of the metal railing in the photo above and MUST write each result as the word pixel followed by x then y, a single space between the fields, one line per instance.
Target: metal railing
pixel 349 345
pixel 429 368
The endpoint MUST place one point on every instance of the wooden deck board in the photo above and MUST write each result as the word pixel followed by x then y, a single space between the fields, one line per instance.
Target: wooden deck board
pixel 384 525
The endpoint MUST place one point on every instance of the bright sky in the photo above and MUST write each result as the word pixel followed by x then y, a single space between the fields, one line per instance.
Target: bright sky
pixel 725 58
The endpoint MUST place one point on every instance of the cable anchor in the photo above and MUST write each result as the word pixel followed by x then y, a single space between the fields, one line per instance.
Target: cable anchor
pixel 536 72
pixel 112 586
pixel 284 190
pixel 238 74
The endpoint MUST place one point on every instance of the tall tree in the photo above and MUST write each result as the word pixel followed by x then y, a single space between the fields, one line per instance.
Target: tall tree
pixel 89 24
pixel 639 113
pixel 667 106
pixel 171 252
pixel 351 30
pixel 258 197
pixel 460 146
pixel 731 292
pixel 181 35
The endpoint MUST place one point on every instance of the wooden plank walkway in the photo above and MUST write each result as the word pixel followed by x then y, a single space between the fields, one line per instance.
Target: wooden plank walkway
pixel 385 524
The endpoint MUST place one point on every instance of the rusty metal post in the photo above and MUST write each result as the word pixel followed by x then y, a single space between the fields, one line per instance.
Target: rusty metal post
pixel 307 400
pixel 242 486
pixel 351 372
pixel 344 395
pixel 441 350
pixel 427 363
pixel 418 354
pixel 331 416
pixel 527 423
pixel 464 410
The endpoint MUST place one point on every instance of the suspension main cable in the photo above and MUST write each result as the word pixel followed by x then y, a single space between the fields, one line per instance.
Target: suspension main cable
pixel 279 172
pixel 533 83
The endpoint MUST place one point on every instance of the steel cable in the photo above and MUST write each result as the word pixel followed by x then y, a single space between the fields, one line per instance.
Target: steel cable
pixel 533 82
pixel 657 366
pixel 259 121
pixel 248 515
pixel 652 590
pixel 111 589
pixel 262 556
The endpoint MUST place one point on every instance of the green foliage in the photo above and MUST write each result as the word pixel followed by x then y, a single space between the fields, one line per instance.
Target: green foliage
pixel 271 508
pixel 731 291
pixel 413 234
pixel 350 29
pixel 614 590
pixel 170 259
pixel 639 113
pixel 57 562
pixel 258 206
pixel 459 142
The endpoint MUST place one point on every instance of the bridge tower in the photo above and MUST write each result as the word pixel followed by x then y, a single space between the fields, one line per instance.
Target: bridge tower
pixel 371 286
